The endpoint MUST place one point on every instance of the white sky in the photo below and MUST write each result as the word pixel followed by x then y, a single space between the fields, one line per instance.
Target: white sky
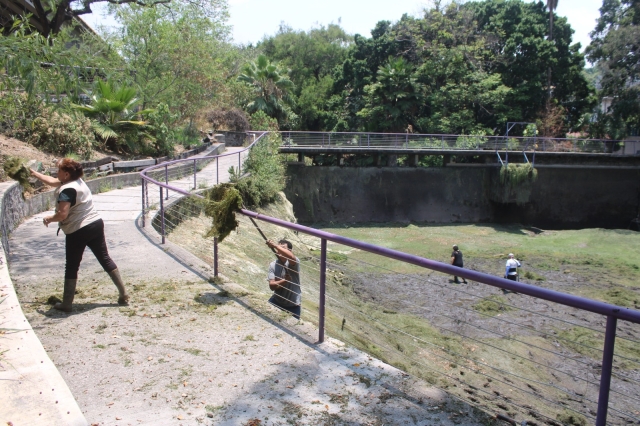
pixel 252 19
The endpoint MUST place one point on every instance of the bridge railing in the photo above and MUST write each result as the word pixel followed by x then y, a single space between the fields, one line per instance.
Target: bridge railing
pixel 446 142
pixel 541 362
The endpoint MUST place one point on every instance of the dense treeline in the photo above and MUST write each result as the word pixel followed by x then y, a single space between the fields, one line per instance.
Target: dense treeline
pixel 464 68
pixel 168 71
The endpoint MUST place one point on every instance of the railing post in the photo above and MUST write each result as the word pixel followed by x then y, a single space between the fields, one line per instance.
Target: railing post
pixel 368 142
pixel 323 279
pixel 166 180
pixel 195 171
pixel 239 163
pixel 161 215
pixel 607 366
pixel 215 256
pixel 143 207
pixel 217 170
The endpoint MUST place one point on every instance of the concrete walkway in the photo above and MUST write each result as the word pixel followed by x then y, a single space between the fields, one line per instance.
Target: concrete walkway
pixel 157 364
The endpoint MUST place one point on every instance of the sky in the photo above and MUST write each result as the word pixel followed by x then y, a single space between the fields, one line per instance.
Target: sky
pixel 253 19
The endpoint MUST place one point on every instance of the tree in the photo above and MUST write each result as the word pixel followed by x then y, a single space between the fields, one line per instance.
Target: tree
pixel 177 57
pixel 551 5
pixel 615 49
pixel 114 111
pixel 311 58
pixel 271 88
pixel 394 99
pixel 49 16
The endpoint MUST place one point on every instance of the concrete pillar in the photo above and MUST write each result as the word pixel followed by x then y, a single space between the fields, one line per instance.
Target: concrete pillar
pixel 412 160
pixel 376 160
pixel 446 159
pixel 300 157
pixel 340 160
pixel 392 160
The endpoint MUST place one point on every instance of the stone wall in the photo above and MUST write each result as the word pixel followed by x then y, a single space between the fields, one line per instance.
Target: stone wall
pixel 561 198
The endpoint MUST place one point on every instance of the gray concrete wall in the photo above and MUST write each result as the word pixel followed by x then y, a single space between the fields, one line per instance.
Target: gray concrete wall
pixel 562 197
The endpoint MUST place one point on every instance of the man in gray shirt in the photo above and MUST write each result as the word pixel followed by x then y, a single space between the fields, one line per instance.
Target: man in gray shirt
pixel 284 278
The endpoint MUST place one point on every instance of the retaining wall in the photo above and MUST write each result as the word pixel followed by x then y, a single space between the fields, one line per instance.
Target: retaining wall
pixel 561 198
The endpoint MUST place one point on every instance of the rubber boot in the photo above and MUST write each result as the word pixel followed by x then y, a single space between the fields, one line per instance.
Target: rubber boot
pixel 67 296
pixel 123 299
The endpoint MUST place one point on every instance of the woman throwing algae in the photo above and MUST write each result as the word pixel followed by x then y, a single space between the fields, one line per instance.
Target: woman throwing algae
pixel 83 227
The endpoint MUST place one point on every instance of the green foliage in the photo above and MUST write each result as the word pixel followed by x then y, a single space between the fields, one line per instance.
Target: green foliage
pixel 266 171
pixel 614 49
pixel 180 54
pixel 16 170
pixel 271 89
pixel 261 121
pixel 18 110
pixel 61 132
pixel 221 203
pixel 474 141
pixel 52 68
pixel 431 161
pixel 513 174
pixel 161 126
pixel 311 57
pixel 113 110
pixel 394 99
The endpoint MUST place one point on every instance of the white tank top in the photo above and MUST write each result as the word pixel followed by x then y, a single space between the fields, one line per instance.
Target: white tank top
pixel 82 212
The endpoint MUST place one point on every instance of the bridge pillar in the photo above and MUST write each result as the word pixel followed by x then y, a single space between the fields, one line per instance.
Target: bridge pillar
pixel 339 160
pixel 446 159
pixel 376 160
pixel 413 159
pixel 392 160
pixel 300 157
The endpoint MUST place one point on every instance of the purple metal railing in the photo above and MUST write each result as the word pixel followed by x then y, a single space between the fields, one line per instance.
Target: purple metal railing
pixel 611 312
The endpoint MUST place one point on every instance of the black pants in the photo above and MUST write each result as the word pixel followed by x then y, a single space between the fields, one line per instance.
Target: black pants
pixel 92 236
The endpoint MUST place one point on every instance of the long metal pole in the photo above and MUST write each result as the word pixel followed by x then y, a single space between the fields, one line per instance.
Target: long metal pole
pixel 323 279
pixel 217 171
pixel 238 163
pixel 215 256
pixel 195 171
pixel 607 367
pixel 162 214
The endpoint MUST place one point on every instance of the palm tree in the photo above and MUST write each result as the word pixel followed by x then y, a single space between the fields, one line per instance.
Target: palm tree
pixel 271 88
pixel 113 110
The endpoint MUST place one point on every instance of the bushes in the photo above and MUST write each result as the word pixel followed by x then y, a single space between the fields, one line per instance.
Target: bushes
pixel 61 132
pixel 233 119
pixel 266 172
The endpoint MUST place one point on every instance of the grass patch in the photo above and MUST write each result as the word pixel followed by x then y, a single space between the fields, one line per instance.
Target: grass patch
pixel 194 351
pixel 492 305
pixel 332 255
pixel 589 343
pixel 249 338
pixel 530 275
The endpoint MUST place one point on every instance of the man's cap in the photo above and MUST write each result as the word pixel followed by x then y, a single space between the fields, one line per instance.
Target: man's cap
pixel 510 254
pixel 455 247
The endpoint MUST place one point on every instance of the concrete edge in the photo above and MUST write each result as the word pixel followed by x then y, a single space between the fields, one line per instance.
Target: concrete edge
pixel 33 391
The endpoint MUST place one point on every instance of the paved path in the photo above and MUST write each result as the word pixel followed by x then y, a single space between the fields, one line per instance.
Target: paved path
pixel 166 360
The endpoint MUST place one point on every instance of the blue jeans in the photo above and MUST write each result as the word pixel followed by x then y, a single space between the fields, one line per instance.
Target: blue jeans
pixel 294 310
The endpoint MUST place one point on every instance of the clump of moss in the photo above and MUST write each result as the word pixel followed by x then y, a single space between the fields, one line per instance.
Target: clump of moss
pixel 221 203
pixel 492 305
pixel 16 170
pixel 516 174
pixel 571 418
